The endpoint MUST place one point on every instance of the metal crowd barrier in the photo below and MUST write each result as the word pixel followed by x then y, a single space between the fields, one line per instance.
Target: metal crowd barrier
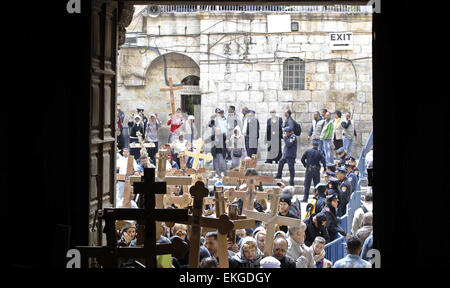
pixel 335 250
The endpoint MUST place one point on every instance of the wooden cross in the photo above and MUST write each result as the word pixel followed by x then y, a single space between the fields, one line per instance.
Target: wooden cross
pixel 251 163
pixel 198 144
pixel 197 221
pixel 238 223
pixel 272 218
pixel 147 216
pixel 252 180
pixel 161 162
pixel 172 96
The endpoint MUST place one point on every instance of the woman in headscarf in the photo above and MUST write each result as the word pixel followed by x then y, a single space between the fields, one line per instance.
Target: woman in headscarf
pixel 151 135
pixel 237 148
pixel 249 255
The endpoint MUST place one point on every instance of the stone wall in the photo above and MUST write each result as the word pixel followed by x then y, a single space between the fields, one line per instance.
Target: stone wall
pixel 240 63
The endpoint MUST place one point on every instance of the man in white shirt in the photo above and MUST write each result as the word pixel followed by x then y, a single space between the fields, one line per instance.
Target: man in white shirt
pixel 121 166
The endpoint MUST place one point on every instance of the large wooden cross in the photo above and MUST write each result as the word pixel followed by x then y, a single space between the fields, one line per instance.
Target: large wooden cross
pixel 272 219
pixel 196 221
pixel 147 216
pixel 238 223
pixel 172 96
pixel 198 144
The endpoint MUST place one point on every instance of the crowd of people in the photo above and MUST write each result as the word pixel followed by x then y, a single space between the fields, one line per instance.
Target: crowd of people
pixel 234 138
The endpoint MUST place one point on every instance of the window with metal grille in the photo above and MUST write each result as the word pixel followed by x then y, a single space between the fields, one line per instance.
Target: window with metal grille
pixel 294 74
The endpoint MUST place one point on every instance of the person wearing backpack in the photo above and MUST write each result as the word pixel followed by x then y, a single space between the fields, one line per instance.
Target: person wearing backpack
pixel 317 204
pixel 316 225
pixel 289 155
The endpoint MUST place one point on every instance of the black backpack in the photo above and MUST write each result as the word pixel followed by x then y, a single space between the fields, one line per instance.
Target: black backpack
pixel 297 128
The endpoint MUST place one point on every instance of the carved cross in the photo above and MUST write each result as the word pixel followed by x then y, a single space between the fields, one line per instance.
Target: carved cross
pixel 197 221
pixel 172 96
pixel 272 218
pixel 238 223
pixel 198 144
pixel 252 180
pixel 147 216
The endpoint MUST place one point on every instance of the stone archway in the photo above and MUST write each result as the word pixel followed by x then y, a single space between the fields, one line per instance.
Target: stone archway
pixel 179 66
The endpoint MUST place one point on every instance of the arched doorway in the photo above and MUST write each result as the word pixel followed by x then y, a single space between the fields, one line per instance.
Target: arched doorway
pixel 184 71
pixel 191 100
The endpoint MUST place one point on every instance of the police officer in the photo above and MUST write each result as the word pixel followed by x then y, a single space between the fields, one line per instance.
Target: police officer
pixel 330 211
pixel 316 205
pixel 343 157
pixel 333 188
pixel 345 189
pixel 316 226
pixel 351 175
pixel 329 174
pixel 321 196
pixel 289 154
pixel 311 160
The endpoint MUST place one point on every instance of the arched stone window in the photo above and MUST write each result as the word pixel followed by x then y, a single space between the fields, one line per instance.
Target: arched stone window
pixel 294 74
pixel 191 80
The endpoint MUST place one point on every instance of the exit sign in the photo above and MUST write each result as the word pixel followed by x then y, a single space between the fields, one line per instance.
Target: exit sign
pixel 341 40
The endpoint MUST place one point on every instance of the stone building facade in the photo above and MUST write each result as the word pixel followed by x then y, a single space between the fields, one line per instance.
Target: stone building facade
pixel 240 60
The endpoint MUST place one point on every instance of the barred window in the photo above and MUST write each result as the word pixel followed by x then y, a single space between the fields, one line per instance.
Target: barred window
pixel 294 74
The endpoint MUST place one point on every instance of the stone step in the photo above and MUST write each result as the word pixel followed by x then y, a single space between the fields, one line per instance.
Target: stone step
pixel 274 167
pixel 299 190
pixel 285 179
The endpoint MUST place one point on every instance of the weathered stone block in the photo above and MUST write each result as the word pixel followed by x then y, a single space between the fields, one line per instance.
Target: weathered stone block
pixel 267 76
pixel 227 97
pixel 254 76
pixel 361 97
pixel 320 77
pixel 270 95
pixel 318 96
pixel 235 86
pixel 262 107
pixel 314 106
pixel 223 86
pixel 343 106
pixel 323 85
pixel 243 96
pixel 310 67
pixel 322 67
pixel 330 106
pixel 367 108
pixel 276 85
pixel 349 97
pixel 256 96
pixel 285 95
pixel 332 95
pixel 300 107
pixel 241 76
pixel 310 86
pixel 302 95
pixel 366 117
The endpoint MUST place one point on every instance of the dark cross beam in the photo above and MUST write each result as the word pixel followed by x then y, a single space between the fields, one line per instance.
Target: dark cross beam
pixel 146 216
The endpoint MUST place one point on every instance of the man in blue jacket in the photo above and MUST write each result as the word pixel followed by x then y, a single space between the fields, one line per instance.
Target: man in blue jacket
pixel 289 154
